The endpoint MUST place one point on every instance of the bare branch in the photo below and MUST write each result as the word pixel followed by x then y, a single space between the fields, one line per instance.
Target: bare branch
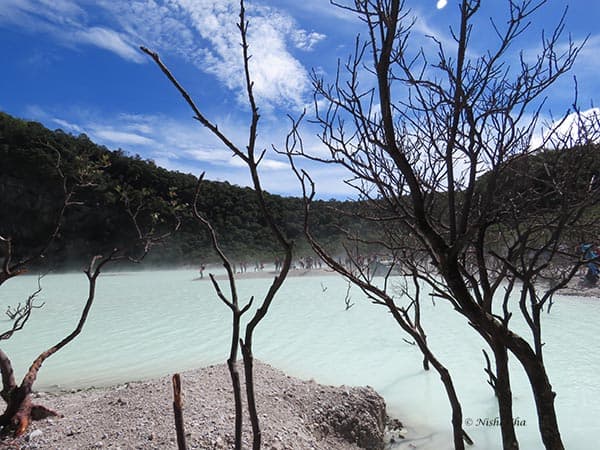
pixel 21 315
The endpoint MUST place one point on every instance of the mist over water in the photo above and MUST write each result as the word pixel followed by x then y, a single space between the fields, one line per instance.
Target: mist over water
pixel 149 324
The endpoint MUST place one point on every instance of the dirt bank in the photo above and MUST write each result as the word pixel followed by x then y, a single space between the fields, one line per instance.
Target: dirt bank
pixel 295 415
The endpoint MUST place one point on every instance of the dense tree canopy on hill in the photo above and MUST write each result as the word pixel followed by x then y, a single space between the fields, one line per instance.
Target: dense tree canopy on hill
pixel 31 193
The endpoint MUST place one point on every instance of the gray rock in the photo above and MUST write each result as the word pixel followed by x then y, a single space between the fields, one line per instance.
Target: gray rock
pixel 359 418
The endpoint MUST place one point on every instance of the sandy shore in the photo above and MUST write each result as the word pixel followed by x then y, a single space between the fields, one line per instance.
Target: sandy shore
pixel 269 273
pixel 295 415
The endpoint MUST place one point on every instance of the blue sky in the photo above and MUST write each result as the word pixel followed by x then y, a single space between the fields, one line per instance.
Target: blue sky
pixel 75 65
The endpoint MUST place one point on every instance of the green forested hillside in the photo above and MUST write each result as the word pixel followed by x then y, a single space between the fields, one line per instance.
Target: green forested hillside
pixel 31 195
pixel 36 163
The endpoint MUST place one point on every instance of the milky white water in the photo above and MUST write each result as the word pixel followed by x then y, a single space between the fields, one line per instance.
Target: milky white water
pixel 148 324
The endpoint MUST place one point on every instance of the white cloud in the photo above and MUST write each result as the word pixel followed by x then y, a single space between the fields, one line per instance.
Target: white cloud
pixel 14 11
pixel 423 31
pixel 212 155
pixel 29 13
pixel 109 40
pixel 120 137
pixel 305 40
pixel 266 164
pixel 572 130
pixel 68 23
pixel 65 8
pixel 67 126
pixel 322 8
pixel 271 164
pixel 160 138
pixel 205 33
pixel 279 78
pixel 277 75
pixel 187 147
pixel 587 61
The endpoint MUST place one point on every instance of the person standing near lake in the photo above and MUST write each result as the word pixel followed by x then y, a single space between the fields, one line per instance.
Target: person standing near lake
pixel 591 253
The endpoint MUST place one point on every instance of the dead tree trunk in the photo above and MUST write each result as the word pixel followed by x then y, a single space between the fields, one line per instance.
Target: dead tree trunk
pixel 178 412
pixel 20 410
pixel 542 392
pixel 504 396
pixel 235 380
pixel 259 315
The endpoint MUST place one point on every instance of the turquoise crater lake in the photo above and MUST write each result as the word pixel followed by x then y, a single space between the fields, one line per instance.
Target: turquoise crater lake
pixel 153 323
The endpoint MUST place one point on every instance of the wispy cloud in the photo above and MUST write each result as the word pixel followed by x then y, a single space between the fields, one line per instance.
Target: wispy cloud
pixel 66 13
pixel 305 40
pixel 321 8
pixel 68 23
pixel 588 62
pixel 67 126
pixel 427 35
pixel 121 138
pixel 187 147
pixel 202 32
pixel 205 33
pixel 109 40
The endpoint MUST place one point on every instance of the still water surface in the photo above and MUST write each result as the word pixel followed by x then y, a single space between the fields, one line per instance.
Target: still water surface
pixel 148 324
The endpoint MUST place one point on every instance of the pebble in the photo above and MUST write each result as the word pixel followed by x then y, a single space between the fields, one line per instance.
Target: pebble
pixel 34 435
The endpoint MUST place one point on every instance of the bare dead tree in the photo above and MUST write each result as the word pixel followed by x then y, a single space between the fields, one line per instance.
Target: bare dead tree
pixel 20 315
pixel 440 149
pixel 249 155
pixel 406 316
pixel 70 187
pixel 20 409
pixel 232 302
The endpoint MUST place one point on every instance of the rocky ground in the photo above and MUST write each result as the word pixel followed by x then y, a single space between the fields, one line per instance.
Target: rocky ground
pixel 295 415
